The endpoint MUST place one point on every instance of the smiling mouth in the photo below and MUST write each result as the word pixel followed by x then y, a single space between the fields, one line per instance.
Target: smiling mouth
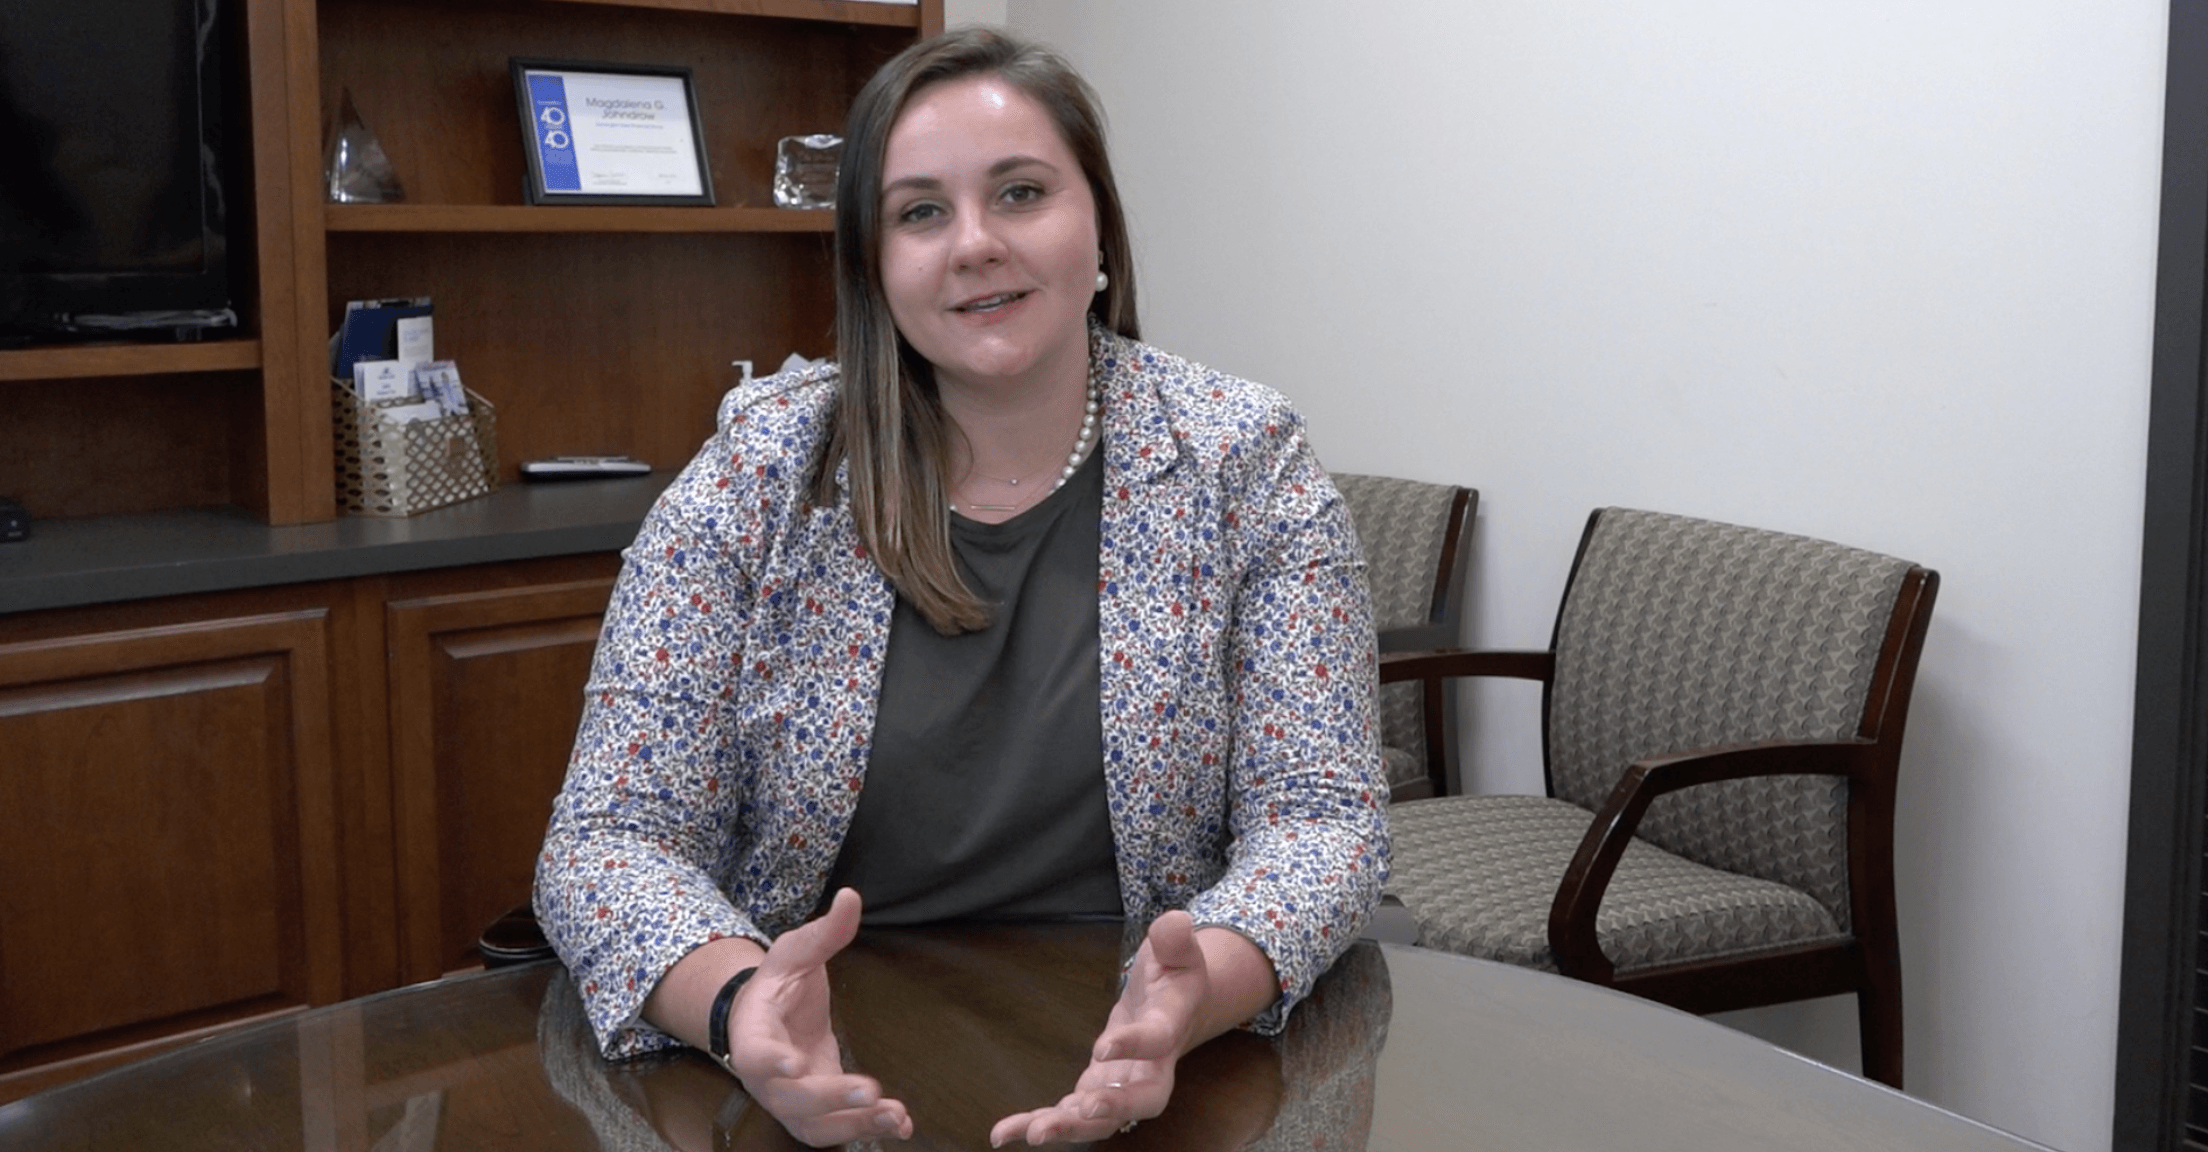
pixel 991 303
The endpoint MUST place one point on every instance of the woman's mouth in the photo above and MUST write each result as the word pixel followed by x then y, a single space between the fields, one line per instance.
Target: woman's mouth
pixel 990 303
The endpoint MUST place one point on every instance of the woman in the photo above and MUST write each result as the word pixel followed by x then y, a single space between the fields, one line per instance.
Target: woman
pixel 1086 620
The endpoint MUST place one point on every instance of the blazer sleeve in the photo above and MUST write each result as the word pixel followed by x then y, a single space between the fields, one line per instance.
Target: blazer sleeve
pixel 639 849
pixel 1306 799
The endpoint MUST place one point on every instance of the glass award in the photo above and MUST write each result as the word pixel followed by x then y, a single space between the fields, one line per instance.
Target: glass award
pixel 354 168
pixel 805 171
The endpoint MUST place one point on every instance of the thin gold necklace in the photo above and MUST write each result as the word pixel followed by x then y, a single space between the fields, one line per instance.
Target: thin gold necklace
pixel 1073 459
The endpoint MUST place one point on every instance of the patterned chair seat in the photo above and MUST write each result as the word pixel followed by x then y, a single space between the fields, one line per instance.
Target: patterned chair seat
pixel 1479 874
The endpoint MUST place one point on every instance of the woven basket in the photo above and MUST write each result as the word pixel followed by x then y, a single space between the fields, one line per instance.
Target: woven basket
pixel 386 468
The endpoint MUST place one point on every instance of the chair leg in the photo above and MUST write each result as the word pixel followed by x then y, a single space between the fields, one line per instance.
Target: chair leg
pixel 1878 1011
pixel 1441 724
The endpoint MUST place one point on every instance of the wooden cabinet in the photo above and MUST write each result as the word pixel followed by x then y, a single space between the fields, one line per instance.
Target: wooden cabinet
pixel 593 330
pixel 166 829
pixel 219 807
pixel 486 688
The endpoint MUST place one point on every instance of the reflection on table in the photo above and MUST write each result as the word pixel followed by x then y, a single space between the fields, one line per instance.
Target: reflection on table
pixel 968 1025
pixel 1397 1049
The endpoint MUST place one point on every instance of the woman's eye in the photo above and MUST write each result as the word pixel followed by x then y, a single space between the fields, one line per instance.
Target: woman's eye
pixel 918 213
pixel 1022 193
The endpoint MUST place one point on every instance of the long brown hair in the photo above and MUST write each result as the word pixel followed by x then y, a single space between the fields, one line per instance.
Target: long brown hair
pixel 890 428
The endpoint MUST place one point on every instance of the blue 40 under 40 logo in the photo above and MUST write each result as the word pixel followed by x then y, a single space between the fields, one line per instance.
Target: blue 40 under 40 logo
pixel 555 139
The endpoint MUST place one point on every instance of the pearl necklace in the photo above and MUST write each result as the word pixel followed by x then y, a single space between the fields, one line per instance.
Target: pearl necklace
pixel 1073 459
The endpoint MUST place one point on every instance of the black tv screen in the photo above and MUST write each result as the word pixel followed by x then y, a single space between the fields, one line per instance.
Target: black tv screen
pixel 112 213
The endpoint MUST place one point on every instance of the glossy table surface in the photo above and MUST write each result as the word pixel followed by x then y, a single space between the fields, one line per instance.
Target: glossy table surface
pixel 1399 1048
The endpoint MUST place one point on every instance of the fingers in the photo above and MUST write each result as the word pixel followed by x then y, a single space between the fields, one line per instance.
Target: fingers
pixel 1147 1038
pixel 817 1095
pixel 885 1119
pixel 811 944
pixel 1049 1126
pixel 1063 1122
pixel 1162 996
pixel 1172 939
pixel 826 1109
pixel 1090 1113
pixel 759 1060
pixel 1011 1128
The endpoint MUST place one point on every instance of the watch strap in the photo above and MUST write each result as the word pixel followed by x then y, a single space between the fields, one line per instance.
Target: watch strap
pixel 716 1021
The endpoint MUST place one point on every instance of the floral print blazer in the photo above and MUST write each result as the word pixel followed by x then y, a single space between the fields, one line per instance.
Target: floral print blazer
pixel 724 735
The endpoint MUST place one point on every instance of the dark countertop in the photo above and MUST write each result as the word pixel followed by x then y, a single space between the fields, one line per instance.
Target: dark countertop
pixel 104 559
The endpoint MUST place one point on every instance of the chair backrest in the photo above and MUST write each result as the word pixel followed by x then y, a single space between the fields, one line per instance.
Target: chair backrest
pixel 1416 537
pixel 1677 634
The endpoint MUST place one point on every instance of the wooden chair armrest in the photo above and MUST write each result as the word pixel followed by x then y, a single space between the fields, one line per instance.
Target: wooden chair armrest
pixel 1579 897
pixel 1441 663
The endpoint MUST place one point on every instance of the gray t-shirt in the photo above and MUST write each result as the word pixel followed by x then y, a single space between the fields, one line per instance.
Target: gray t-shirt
pixel 984 792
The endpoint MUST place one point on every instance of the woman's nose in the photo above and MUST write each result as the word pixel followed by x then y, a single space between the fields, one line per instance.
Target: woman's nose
pixel 976 241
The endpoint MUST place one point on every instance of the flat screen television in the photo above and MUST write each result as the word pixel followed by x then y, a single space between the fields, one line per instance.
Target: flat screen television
pixel 113 166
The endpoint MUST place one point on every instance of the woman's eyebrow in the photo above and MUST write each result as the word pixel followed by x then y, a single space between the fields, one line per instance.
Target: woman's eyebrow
pixel 1011 162
pixel 931 184
pixel 921 183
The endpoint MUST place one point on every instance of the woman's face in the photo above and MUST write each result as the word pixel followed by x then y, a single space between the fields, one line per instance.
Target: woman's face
pixel 989 248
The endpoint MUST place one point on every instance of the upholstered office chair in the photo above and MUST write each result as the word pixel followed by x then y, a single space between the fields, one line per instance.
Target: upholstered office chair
pixel 1417 539
pixel 1722 720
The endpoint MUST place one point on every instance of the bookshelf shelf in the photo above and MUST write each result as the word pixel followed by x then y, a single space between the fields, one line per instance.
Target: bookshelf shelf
pixel 830 11
pixel 423 218
pixel 73 362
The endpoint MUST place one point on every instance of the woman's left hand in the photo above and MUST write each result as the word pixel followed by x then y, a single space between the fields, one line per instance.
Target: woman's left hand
pixel 1130 1072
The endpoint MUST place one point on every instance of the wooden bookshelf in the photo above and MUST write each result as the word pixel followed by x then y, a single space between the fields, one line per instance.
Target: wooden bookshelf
pixel 594 329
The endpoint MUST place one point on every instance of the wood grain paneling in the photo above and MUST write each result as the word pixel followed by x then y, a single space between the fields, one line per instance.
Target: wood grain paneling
pixel 159 441
pixel 166 828
pixel 293 464
pixel 360 722
pixel 486 689
pixel 74 361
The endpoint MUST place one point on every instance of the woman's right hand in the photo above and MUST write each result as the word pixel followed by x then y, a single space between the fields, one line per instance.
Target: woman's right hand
pixel 782 1048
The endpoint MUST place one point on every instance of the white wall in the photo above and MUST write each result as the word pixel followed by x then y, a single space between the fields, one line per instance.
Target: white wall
pixel 1878 271
pixel 957 12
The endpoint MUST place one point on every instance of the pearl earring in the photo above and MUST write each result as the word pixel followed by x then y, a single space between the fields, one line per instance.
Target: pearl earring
pixel 1102 281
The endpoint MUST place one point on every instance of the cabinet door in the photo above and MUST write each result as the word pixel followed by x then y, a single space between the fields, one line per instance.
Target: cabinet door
pixel 167 847
pixel 486 689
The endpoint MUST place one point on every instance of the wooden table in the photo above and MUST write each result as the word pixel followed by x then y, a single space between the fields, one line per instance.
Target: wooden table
pixel 1399 1049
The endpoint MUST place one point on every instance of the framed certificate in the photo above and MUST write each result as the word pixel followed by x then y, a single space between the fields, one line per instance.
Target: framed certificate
pixel 610 133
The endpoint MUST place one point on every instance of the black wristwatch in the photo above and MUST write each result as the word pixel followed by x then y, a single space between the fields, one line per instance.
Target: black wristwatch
pixel 716 1021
